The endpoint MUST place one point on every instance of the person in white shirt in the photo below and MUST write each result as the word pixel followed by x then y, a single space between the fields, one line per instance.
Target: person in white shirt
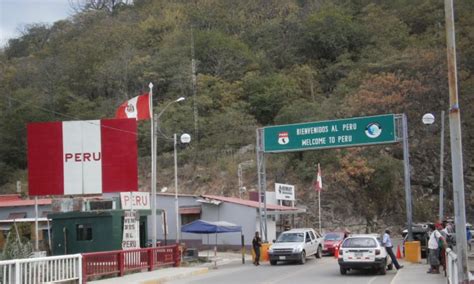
pixel 387 243
pixel 433 247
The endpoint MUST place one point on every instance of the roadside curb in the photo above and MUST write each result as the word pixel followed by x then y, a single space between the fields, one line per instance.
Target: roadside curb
pixel 415 273
pixel 163 279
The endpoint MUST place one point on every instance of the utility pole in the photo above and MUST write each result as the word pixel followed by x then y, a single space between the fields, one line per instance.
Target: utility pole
pixel 441 171
pixel 194 83
pixel 456 146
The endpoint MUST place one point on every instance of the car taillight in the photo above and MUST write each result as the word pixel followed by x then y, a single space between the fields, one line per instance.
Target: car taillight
pixel 377 252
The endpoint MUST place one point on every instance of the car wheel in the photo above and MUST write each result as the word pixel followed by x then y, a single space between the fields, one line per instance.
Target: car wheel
pixel 342 270
pixel 273 262
pixel 383 268
pixel 319 253
pixel 302 257
pixel 390 266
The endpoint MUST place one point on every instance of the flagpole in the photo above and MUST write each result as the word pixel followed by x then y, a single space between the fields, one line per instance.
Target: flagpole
pixel 319 208
pixel 153 168
pixel 319 199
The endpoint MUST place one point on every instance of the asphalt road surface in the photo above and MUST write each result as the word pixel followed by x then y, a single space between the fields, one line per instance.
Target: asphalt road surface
pixel 325 270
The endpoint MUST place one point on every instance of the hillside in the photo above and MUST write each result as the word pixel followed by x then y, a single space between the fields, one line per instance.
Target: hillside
pixel 258 63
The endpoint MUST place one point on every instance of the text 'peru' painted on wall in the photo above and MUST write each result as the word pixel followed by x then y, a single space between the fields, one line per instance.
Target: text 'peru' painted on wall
pixel 82 157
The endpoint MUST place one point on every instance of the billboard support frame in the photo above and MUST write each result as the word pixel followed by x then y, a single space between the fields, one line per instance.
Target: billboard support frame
pixel 401 135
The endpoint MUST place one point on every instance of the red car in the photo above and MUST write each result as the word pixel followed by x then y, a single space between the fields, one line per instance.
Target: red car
pixel 331 241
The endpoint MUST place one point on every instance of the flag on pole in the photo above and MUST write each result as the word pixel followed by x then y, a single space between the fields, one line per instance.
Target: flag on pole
pixel 318 185
pixel 137 107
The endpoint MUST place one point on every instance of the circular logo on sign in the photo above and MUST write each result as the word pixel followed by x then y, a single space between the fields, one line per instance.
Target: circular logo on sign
pixel 373 130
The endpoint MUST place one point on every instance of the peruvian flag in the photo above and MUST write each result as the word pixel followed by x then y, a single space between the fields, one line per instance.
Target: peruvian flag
pixel 318 184
pixel 137 107
pixel 82 157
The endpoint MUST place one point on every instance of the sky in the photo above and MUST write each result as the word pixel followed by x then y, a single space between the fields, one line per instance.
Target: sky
pixel 15 14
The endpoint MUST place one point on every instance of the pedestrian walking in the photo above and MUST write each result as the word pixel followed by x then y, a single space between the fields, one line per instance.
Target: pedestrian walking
pixel 434 243
pixel 256 244
pixel 387 243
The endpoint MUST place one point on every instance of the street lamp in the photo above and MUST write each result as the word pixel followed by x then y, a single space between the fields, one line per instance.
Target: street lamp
pixel 429 119
pixel 153 167
pixel 185 139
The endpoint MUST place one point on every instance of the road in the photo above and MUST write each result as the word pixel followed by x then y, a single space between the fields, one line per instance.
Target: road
pixel 325 270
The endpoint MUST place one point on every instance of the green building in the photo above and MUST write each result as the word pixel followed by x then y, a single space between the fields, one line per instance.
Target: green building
pixel 91 231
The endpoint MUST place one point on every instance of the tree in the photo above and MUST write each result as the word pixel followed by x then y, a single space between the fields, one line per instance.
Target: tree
pixel 385 93
pixel 268 94
pixel 371 184
pixel 330 33
pixel 107 5
pixel 223 56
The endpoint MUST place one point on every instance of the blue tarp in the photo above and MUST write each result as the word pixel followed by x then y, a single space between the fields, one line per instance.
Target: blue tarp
pixel 206 227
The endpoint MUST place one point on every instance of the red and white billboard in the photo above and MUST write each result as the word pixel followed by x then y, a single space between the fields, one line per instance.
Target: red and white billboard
pixel 82 157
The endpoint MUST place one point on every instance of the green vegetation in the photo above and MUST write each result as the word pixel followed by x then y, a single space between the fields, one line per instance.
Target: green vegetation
pixel 258 63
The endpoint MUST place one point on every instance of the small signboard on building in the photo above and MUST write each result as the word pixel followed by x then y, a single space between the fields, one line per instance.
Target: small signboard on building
pixel 135 200
pixel 284 191
pixel 131 233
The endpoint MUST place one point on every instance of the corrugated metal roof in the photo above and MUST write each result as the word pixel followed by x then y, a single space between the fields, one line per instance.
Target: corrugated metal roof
pixel 249 203
pixel 12 200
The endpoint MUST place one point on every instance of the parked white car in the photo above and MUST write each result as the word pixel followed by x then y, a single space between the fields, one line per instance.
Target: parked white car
pixel 363 252
pixel 296 245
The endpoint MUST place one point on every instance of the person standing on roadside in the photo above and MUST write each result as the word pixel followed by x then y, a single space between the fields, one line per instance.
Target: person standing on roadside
pixel 256 244
pixel 469 237
pixel 433 246
pixel 387 243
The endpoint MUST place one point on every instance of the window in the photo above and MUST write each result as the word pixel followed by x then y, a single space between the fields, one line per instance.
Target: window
pixel 189 214
pixel 84 232
pixel 290 238
pixel 100 204
pixel 333 237
pixel 312 235
pixel 17 215
pixel 188 218
pixel 359 243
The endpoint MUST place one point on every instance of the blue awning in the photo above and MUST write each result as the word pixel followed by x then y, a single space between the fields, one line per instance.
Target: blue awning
pixel 206 227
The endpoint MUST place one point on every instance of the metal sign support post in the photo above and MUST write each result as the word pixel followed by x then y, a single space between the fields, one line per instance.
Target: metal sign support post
pixel 153 139
pixel 406 168
pixel 176 204
pixel 36 224
pixel 262 182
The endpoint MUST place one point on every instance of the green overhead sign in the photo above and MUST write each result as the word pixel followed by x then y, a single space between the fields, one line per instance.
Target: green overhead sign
pixel 359 131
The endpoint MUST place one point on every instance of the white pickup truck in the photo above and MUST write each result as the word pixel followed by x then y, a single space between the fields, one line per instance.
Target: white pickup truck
pixel 296 245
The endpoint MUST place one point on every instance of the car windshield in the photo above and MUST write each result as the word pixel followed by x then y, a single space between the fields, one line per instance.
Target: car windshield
pixel 333 237
pixel 290 238
pixel 359 243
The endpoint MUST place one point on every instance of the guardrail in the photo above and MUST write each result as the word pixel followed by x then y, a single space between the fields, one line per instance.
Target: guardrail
pixel 121 261
pixel 41 269
pixel 452 268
